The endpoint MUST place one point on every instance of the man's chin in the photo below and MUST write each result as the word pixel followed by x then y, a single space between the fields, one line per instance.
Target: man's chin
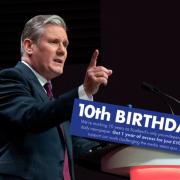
pixel 56 72
pixel 59 72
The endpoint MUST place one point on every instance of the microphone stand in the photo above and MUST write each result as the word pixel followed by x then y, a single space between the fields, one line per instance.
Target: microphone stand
pixel 151 88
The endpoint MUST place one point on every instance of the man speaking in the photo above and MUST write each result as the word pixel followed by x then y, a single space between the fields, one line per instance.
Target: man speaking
pixel 35 143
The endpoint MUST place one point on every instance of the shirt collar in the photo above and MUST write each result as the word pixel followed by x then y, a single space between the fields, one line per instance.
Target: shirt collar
pixel 40 78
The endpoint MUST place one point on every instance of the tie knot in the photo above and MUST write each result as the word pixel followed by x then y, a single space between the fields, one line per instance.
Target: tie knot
pixel 48 88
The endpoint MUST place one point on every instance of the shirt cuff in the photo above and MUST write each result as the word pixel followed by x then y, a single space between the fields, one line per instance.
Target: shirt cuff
pixel 82 94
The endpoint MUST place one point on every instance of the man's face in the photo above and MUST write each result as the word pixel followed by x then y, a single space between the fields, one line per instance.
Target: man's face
pixel 50 52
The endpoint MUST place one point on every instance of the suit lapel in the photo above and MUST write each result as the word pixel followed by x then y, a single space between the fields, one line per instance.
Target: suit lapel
pixel 26 71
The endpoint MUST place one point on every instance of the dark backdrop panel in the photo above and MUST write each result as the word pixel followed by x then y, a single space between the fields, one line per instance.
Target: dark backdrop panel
pixel 82 18
pixel 140 42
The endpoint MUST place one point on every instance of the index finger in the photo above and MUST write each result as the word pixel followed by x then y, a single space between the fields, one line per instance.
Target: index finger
pixel 94 57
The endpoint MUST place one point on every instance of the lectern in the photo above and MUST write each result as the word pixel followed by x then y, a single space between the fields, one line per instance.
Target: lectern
pixel 142 164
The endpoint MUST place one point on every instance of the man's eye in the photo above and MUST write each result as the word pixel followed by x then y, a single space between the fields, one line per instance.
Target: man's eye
pixel 54 42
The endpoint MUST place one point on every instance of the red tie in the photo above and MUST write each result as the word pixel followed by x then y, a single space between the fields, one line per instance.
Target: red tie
pixel 48 88
pixel 66 174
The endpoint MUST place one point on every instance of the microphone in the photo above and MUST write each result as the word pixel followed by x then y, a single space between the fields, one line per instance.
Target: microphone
pixel 154 89
pixel 151 88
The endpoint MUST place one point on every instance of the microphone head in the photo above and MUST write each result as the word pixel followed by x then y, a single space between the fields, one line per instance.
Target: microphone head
pixel 148 87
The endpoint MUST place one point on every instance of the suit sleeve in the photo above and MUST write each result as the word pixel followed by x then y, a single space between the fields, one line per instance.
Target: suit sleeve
pixel 20 111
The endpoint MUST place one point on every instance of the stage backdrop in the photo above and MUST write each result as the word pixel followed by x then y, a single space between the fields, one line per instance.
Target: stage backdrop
pixel 140 42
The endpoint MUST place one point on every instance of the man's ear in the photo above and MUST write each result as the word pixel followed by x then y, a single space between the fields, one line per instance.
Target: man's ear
pixel 28 46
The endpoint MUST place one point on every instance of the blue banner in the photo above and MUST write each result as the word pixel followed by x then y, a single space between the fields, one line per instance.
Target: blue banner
pixel 125 125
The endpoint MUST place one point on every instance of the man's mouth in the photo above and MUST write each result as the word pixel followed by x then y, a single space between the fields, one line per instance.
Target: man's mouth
pixel 60 61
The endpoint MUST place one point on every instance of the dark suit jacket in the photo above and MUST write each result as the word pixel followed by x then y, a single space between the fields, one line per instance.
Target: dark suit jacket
pixel 30 145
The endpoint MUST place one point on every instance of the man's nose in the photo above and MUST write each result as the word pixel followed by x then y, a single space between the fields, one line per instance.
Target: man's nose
pixel 61 50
